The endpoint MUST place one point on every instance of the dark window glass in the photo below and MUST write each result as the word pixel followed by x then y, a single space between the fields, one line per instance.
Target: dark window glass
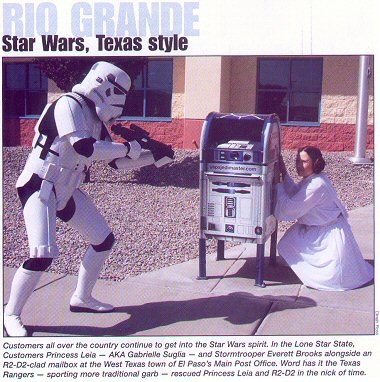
pixel 37 80
pixel 158 103
pixel 306 75
pixel 274 74
pixel 134 105
pixel 152 94
pixel 160 75
pixel 24 90
pixel 16 76
pixel 290 87
pixel 304 107
pixel 36 102
pixel 12 103
pixel 273 102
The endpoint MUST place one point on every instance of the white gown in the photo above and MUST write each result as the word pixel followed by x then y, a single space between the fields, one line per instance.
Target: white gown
pixel 320 247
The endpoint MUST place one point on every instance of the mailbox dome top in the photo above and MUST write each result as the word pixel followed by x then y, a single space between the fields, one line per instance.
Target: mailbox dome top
pixel 244 117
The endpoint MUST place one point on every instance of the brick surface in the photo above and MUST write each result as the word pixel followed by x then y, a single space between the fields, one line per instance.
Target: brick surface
pixel 185 133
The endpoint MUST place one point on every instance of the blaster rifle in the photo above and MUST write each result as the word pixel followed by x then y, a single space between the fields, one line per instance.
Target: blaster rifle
pixel 159 150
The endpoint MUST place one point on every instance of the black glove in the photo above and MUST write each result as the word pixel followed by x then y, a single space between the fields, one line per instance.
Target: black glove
pixel 133 133
pixel 136 133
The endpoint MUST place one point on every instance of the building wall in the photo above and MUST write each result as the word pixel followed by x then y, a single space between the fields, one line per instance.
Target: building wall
pixel 340 89
pixel 20 131
pixel 171 132
pixel 339 102
pixel 337 128
pixel 225 85
pixel 202 86
pixel 243 84
pixel 178 99
pixel 338 109
pixel 228 84
pixel 203 94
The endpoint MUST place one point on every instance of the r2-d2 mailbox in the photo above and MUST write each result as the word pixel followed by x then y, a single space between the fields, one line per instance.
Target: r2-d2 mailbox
pixel 238 171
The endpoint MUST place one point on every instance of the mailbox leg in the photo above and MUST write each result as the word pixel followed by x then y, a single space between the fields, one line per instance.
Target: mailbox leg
pixel 202 260
pixel 220 250
pixel 260 265
pixel 273 248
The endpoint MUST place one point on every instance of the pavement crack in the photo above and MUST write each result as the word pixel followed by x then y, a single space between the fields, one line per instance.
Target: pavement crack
pixel 51 282
pixel 228 268
pixel 262 319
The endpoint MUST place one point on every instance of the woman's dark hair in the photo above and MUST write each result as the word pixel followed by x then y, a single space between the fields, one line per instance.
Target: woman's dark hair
pixel 316 157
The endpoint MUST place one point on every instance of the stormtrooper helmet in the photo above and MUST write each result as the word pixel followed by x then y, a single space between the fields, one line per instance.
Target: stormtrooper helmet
pixel 106 85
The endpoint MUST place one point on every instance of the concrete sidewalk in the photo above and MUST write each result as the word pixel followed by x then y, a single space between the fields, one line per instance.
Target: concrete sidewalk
pixel 171 301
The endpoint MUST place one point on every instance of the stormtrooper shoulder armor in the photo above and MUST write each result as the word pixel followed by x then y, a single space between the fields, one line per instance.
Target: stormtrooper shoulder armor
pixel 76 119
pixel 71 114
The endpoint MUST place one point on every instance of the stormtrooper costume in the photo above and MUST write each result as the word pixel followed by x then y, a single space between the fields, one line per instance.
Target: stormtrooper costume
pixel 70 134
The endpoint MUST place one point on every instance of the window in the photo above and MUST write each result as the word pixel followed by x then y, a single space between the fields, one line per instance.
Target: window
pixel 151 98
pixel 290 87
pixel 24 90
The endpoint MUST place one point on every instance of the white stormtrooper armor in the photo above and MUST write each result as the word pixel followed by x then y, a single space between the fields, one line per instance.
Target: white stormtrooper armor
pixel 109 100
pixel 69 135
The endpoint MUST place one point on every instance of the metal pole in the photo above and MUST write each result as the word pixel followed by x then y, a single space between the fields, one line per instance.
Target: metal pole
pixel 362 113
pixel 273 247
pixel 202 238
pixel 202 259
pixel 220 250
pixel 260 265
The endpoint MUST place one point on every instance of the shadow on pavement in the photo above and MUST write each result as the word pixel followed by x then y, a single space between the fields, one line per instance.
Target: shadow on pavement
pixel 278 274
pixel 237 308
pixel 178 174
pixel 183 173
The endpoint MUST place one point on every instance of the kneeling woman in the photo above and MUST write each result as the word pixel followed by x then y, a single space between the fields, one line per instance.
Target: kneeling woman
pixel 320 246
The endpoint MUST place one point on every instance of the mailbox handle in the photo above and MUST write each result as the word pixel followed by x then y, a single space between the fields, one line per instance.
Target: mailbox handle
pixel 232 175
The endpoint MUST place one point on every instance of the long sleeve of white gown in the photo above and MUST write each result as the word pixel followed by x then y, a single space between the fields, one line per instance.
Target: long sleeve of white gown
pixel 310 193
pixel 290 186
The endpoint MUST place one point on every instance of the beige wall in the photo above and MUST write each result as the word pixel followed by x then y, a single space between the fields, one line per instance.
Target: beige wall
pixel 17 59
pixel 243 84
pixel 340 90
pixel 222 84
pixel 225 95
pixel 178 99
pixel 228 84
pixel 203 86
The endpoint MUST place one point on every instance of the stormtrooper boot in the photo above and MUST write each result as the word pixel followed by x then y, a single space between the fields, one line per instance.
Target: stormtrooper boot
pixel 89 270
pixel 23 285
